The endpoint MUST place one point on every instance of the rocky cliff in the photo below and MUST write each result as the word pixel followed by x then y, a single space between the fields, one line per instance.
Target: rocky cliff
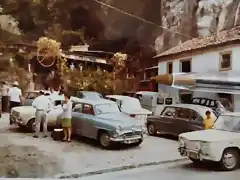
pixel 191 18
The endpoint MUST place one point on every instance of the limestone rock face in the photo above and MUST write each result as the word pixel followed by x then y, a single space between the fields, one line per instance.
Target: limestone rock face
pixel 192 18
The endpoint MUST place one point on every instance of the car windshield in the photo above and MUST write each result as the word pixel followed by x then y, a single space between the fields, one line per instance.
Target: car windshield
pixel 131 103
pixel 31 95
pixel 228 123
pixel 106 108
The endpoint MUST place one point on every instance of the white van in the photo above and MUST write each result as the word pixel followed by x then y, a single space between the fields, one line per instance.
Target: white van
pixel 155 101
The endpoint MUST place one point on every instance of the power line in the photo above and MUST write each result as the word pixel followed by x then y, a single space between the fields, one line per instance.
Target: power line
pixel 139 18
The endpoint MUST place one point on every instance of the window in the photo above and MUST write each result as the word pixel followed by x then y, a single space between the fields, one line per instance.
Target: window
pixel 195 101
pixel 185 66
pixel 78 108
pixel 31 95
pixel 225 61
pixel 87 109
pixel 160 100
pixel 182 113
pixel 169 112
pixel 168 101
pixel 169 67
pixel 194 116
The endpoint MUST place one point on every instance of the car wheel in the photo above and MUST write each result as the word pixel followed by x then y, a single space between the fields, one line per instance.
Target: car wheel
pixel 230 159
pixel 31 125
pixel 104 140
pixel 151 130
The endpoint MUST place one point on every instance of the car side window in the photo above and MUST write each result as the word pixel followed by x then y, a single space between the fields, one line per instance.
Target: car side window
pixel 31 95
pixel 87 109
pixel 183 113
pixel 196 117
pixel 169 112
pixel 196 101
pixel 78 108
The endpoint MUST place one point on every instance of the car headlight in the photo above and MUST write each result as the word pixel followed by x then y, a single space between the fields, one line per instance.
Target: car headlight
pixel 198 145
pixel 119 130
pixel 181 142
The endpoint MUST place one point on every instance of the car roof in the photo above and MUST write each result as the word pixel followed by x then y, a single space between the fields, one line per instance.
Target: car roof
pixel 190 106
pixel 231 114
pixel 37 91
pixel 121 97
pixel 147 92
pixel 200 109
pixel 94 102
pixel 93 92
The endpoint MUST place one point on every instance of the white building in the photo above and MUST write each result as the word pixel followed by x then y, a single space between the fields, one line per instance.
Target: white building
pixel 213 53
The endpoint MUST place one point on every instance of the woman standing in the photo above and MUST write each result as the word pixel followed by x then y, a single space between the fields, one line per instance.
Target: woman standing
pixel 67 118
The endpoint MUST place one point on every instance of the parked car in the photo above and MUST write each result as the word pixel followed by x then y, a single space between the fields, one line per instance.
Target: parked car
pixel 130 106
pixel 29 96
pixel 178 118
pixel 213 103
pixel 24 116
pixel 101 120
pixel 220 144
pixel 89 95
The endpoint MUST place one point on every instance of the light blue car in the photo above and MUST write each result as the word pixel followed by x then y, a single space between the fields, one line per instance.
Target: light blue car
pixel 102 120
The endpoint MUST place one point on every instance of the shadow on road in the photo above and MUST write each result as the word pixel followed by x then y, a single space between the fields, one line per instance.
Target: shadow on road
pixel 204 167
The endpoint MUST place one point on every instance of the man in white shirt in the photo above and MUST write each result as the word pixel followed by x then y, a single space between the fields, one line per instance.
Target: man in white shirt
pixel 43 105
pixel 15 95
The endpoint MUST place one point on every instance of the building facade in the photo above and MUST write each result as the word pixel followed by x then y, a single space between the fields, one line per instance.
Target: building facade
pixel 214 53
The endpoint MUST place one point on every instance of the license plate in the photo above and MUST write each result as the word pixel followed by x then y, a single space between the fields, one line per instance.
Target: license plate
pixel 193 155
pixel 130 141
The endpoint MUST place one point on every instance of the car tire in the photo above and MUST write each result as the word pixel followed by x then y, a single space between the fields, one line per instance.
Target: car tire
pixel 151 130
pixel 230 159
pixel 104 140
pixel 31 125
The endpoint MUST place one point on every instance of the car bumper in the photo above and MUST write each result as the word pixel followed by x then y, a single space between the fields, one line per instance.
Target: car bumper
pixel 199 155
pixel 127 140
pixel 17 121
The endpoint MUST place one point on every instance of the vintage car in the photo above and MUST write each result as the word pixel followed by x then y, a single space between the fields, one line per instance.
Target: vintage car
pixel 220 144
pixel 130 106
pixel 101 120
pixel 89 95
pixel 29 96
pixel 178 118
pixel 24 116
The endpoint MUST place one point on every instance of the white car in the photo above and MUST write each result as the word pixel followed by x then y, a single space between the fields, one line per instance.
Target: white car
pixel 130 106
pixel 220 144
pixel 24 116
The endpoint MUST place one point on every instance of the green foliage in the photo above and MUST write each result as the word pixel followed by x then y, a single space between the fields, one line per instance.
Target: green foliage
pixel 70 37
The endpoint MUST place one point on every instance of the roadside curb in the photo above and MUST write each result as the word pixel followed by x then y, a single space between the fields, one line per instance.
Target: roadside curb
pixel 115 169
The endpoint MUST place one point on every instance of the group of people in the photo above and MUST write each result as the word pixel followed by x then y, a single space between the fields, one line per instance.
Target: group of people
pixel 43 104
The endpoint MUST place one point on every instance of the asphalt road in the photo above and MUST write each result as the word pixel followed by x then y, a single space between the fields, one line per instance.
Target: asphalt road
pixel 172 171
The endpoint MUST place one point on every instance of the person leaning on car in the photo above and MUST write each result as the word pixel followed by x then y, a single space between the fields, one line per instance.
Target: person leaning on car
pixel 43 105
pixel 208 120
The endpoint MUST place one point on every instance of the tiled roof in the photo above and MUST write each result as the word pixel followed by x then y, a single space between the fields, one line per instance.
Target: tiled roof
pixel 199 43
